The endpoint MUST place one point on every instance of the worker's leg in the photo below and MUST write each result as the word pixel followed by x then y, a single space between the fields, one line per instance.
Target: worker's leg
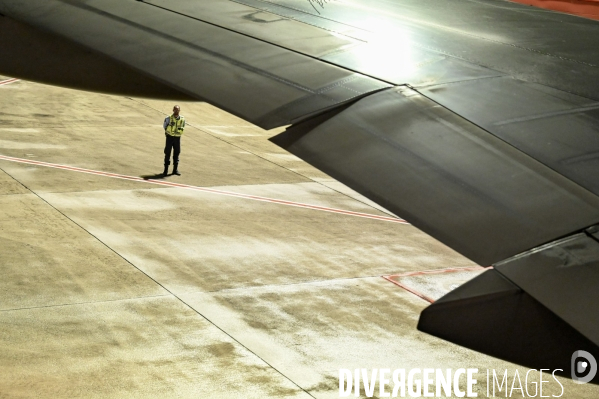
pixel 177 151
pixel 167 153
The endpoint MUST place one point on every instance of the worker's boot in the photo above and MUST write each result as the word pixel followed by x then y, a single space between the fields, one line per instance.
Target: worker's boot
pixel 165 173
pixel 175 171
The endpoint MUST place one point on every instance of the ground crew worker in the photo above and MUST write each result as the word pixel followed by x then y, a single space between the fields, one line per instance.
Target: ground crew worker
pixel 173 129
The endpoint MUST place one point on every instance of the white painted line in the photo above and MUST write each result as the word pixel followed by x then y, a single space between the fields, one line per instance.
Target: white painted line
pixel 204 189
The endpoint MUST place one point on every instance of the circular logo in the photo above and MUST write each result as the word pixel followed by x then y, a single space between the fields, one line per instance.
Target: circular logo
pixel 583 366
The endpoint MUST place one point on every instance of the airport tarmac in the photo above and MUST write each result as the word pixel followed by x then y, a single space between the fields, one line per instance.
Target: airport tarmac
pixel 252 275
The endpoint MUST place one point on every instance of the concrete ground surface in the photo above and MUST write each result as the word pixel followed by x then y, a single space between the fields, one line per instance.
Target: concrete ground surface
pixel 117 288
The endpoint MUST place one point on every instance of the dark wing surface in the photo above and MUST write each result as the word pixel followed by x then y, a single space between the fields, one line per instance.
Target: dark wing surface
pixel 477 121
pixel 263 83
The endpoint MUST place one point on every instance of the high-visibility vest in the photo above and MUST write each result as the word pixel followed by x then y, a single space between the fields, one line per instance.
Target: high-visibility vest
pixel 175 126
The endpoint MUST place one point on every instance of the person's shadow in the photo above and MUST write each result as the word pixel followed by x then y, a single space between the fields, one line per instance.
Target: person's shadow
pixel 153 177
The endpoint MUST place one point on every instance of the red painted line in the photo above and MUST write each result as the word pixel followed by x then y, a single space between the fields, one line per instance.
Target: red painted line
pixel 425 272
pixel 204 189
pixel 440 271
pixel 582 8
pixel 8 81
pixel 409 289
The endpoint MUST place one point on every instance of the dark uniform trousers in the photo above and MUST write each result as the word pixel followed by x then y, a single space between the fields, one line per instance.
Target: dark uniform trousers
pixel 172 143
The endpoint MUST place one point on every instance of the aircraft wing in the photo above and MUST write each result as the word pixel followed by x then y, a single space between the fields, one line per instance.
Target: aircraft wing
pixel 477 121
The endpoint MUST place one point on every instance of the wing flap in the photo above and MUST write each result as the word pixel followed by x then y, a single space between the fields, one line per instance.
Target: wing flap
pixel 535 309
pixel 463 186
pixel 493 315
pixel 563 276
